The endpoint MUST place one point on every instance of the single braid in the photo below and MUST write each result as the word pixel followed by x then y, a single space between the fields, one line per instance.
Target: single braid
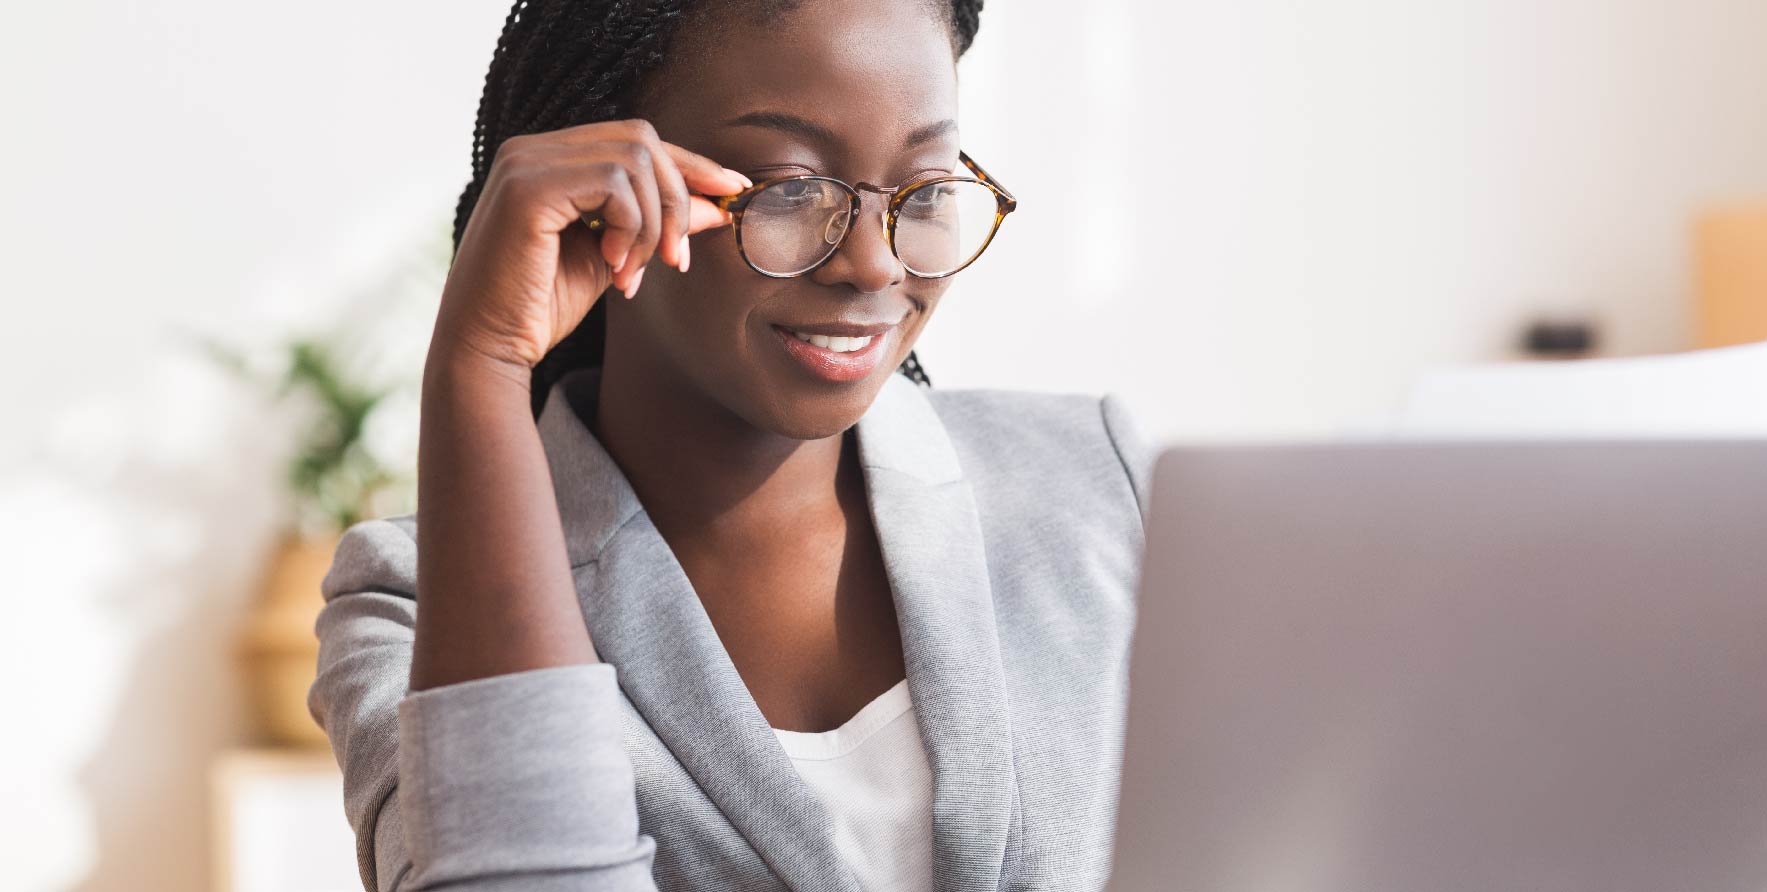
pixel 560 64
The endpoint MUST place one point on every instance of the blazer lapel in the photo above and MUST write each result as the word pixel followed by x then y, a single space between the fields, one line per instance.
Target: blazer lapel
pixel 931 537
pixel 646 620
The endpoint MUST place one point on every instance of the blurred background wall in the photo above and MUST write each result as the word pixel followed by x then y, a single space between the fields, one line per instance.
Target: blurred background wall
pixel 1279 211
pixel 1254 219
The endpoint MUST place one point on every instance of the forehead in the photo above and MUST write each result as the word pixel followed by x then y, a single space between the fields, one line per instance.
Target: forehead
pixel 868 74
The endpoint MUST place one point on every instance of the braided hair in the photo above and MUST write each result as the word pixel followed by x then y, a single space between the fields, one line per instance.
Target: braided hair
pixel 561 64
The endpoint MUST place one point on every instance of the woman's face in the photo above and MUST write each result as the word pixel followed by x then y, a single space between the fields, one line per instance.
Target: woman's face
pixel 858 91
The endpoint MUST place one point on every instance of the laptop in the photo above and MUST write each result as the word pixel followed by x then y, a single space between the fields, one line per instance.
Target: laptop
pixel 1444 666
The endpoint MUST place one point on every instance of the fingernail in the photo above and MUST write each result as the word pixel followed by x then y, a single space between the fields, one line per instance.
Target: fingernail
pixel 686 253
pixel 635 280
pixel 621 263
pixel 746 182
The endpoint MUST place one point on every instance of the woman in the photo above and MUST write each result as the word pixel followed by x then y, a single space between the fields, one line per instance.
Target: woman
pixel 741 609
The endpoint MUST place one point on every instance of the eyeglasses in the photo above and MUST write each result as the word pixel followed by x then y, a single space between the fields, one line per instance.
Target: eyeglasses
pixel 789 226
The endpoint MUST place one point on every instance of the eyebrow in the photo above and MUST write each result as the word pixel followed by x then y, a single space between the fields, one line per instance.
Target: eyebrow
pixel 810 130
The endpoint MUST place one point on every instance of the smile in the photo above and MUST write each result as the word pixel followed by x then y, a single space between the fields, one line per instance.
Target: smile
pixel 834 358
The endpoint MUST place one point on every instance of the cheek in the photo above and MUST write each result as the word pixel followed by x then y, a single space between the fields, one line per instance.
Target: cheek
pixel 705 308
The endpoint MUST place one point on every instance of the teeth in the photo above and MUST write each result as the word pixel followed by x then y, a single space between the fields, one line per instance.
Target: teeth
pixel 836 345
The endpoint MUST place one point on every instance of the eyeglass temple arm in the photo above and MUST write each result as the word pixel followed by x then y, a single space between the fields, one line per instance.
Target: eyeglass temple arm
pixel 1011 201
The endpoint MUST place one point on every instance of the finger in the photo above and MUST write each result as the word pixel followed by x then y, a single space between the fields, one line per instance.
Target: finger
pixel 672 198
pixel 702 174
pixel 594 188
pixel 621 216
pixel 642 172
pixel 703 215
pixel 622 213
pixel 705 176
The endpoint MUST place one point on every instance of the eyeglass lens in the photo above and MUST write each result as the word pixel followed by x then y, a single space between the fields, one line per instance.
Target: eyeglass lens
pixel 790 227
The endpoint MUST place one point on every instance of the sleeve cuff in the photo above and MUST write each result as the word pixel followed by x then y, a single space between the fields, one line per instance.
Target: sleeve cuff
pixel 518 773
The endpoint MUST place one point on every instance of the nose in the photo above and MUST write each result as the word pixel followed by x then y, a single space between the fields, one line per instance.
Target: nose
pixel 864 259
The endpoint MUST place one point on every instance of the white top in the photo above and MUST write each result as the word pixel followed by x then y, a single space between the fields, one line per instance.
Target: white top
pixel 872 776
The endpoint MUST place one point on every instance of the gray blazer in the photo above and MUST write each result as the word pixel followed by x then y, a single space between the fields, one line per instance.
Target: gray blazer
pixel 1011 530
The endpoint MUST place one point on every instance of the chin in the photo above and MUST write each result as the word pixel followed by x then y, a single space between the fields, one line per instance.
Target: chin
pixel 797 398
pixel 816 416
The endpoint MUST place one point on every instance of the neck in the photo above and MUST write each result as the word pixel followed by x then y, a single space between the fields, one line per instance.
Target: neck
pixel 704 472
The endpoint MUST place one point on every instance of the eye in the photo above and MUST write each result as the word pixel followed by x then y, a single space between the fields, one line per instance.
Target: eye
pixel 793 197
pixel 788 195
pixel 931 198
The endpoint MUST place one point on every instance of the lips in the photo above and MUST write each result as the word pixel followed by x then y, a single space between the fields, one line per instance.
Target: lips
pixel 840 357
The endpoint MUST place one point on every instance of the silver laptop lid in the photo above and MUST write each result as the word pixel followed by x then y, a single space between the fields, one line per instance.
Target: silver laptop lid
pixel 1497 666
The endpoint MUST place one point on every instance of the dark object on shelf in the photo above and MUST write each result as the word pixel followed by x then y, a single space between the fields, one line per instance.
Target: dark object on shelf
pixel 1559 340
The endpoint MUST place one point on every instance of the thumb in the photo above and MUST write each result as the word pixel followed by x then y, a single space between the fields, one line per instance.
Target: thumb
pixel 703 215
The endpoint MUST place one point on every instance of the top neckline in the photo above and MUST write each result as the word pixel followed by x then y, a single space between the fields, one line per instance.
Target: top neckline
pixel 871 718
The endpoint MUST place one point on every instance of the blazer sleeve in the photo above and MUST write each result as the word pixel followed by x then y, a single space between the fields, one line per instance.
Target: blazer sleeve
pixel 1134 448
pixel 516 781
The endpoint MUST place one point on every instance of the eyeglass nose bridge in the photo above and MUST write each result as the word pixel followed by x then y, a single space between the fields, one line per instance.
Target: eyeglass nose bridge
pixel 859 202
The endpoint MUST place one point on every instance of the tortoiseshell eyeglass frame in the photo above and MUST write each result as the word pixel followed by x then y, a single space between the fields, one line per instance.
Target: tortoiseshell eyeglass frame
pixel 1004 203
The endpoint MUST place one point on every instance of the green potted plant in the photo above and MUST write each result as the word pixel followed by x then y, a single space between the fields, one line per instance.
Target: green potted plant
pixel 350 393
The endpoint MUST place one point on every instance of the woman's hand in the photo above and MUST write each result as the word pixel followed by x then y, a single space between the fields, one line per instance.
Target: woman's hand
pixel 492 566
pixel 528 268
